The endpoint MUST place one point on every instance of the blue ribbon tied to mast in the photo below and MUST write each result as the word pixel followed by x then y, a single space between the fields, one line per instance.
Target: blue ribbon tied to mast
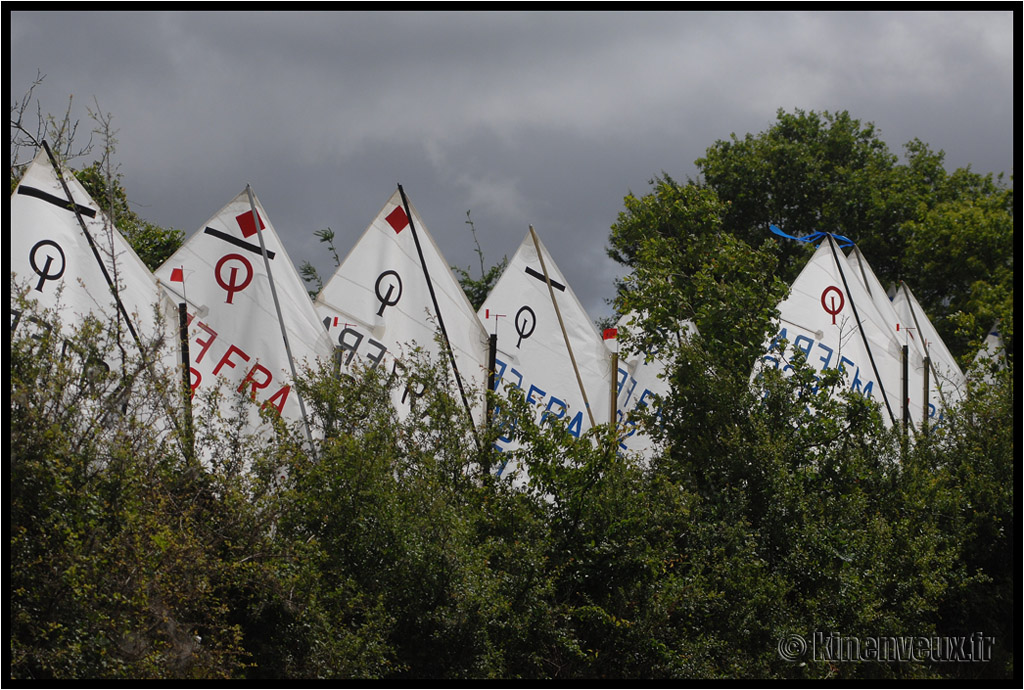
pixel 813 238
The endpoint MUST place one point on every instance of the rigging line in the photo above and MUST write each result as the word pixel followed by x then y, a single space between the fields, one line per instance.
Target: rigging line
pixel 437 310
pixel 860 327
pixel 924 345
pixel 92 245
pixel 114 290
pixel 280 319
pixel 565 336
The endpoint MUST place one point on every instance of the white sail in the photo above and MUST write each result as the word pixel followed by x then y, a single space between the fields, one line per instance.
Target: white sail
pixel 640 383
pixel 235 335
pixel 946 380
pixel 57 265
pixel 831 318
pixel 904 333
pixel 532 353
pixel 992 355
pixel 378 306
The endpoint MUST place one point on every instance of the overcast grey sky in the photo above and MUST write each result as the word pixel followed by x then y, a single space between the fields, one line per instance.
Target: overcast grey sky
pixel 543 118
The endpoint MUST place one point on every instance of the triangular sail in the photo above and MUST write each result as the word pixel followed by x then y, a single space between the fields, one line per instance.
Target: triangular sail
pixel 234 331
pixel 640 381
pixel 57 265
pixel 378 306
pixel 903 333
pixel 946 380
pixel 532 352
pixel 831 318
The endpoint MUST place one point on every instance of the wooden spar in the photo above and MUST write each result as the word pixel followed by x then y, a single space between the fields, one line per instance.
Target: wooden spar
pixel 614 390
pixel 561 324
pixel 929 367
pixel 437 312
pixel 114 289
pixel 186 375
pixel 860 327
pixel 280 318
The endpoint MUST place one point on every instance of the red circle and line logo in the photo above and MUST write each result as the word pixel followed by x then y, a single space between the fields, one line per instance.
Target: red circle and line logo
pixel 830 306
pixel 232 284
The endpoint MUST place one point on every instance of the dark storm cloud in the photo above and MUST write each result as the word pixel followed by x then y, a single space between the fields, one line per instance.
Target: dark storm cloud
pixel 542 118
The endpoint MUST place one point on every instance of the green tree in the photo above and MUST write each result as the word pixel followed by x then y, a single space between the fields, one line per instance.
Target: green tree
pixel 949 235
pixel 966 485
pixel 154 244
pixel 804 514
pixel 686 267
pixel 124 550
pixel 964 246
pixel 807 172
pixel 477 289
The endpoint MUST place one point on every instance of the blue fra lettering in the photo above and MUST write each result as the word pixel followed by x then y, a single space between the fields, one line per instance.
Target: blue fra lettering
pixel 630 424
pixel 858 385
pixel 530 400
pixel 499 374
pixel 804 344
pixel 576 425
pixel 623 378
pixel 864 386
pixel 552 402
pixel 827 358
pixel 555 409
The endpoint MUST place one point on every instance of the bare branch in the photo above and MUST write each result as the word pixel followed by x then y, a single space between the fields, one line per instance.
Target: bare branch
pixel 59 132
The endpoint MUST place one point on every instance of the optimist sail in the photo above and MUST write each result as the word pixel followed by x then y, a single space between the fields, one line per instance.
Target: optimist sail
pixel 235 336
pixel 832 319
pixel 640 383
pixel 904 331
pixel 80 271
pixel 379 307
pixel 533 355
pixel 946 381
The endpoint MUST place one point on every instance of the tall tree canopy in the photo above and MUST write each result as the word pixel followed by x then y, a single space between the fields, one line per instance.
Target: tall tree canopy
pixel 948 235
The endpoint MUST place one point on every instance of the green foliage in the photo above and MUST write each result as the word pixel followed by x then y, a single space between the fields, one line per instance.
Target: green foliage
pixel 308 271
pixel 965 246
pixel 949 235
pixel 477 289
pixel 776 509
pixel 123 552
pixel 807 172
pixel 806 514
pixel 391 550
pixel 153 244
pixel 686 268
pixel 969 470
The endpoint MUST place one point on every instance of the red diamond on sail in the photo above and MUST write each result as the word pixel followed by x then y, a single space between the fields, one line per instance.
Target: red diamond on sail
pixel 245 223
pixel 397 219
